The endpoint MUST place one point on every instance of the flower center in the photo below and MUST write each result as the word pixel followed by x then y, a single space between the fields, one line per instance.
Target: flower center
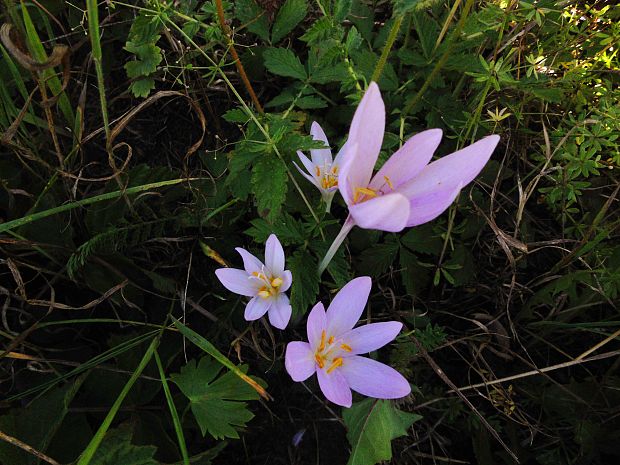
pixel 328 352
pixel 328 175
pixel 362 194
pixel 270 285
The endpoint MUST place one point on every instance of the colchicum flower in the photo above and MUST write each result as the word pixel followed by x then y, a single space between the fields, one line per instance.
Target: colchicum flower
pixel 265 283
pixel 334 347
pixel 322 170
pixel 407 190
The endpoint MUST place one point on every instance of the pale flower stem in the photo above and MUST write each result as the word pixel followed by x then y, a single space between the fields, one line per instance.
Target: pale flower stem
pixel 346 228
pixel 327 198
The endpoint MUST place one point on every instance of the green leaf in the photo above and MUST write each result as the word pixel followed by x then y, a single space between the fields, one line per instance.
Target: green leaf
pixel 284 62
pixel 248 12
pixel 377 259
pixel 148 57
pixel 142 87
pixel 333 73
pixel 216 401
pixel 372 424
pixel 422 239
pixel 289 16
pixel 117 449
pixel 342 9
pixel 288 229
pixel 305 286
pixel 269 184
pixel 310 101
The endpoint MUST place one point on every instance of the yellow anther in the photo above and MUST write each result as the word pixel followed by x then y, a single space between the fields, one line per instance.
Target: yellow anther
pixel 264 293
pixel 335 169
pixel 258 275
pixel 318 171
pixel 322 344
pixel 389 183
pixel 346 347
pixel 330 340
pixel 335 364
pixel 361 192
pixel 319 361
pixel 277 282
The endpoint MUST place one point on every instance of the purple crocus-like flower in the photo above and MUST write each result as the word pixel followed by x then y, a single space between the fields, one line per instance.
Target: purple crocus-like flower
pixel 333 348
pixel 265 283
pixel 407 190
pixel 322 170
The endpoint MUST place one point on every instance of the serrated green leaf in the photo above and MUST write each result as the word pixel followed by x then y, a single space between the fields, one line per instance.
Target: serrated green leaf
pixel 269 184
pixel 117 449
pixel 372 424
pixel 333 73
pixel 288 229
pixel 342 9
pixel 310 101
pixel 248 12
pixel 422 239
pixel 289 16
pixel 321 29
pixel 216 402
pixel 377 260
pixel 236 115
pixel 142 87
pixel 305 286
pixel 284 62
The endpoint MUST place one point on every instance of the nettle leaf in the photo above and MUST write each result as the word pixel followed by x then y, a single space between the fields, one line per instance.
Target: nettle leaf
pixel 310 101
pixel 117 449
pixel 284 62
pixel 289 16
pixel 269 184
pixel 305 286
pixel 248 12
pixel 342 9
pixel 372 424
pixel 288 229
pixel 216 402
pixel 377 259
pixel 422 239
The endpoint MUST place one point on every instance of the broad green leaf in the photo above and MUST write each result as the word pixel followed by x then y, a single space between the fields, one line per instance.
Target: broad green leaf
pixel 305 282
pixel 422 239
pixel 288 229
pixel 377 259
pixel 35 424
pixel 248 12
pixel 372 424
pixel 117 449
pixel 310 101
pixel 284 62
pixel 289 16
pixel 216 402
pixel 142 87
pixel 269 184
pixel 341 10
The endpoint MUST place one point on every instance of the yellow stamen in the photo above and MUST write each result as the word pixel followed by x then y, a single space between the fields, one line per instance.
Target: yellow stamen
pixel 264 293
pixel 322 344
pixel 346 347
pixel 318 171
pixel 335 170
pixel 277 282
pixel 363 192
pixel 258 275
pixel 330 340
pixel 335 364
pixel 319 361
pixel 389 183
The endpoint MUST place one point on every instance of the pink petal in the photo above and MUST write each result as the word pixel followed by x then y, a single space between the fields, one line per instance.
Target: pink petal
pixel 307 176
pixel 335 387
pixel 407 161
pixel 320 156
pixel 448 172
pixel 386 213
pixel 236 281
pixel 374 379
pixel 371 337
pixel 306 162
pixel 256 308
pixel 345 183
pixel 299 361
pixel 274 256
pixel 280 312
pixel 348 305
pixel 317 322
pixel 366 131
pixel 287 280
pixel 428 206
pixel 250 262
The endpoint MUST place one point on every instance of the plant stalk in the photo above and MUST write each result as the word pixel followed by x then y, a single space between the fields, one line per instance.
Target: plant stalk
pixel 346 228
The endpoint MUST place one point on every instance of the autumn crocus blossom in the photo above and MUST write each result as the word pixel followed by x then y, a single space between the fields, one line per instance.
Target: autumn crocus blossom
pixel 322 170
pixel 333 348
pixel 265 283
pixel 407 190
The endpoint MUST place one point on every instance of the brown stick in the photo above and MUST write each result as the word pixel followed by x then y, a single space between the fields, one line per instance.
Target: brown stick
pixel 233 52
pixel 31 450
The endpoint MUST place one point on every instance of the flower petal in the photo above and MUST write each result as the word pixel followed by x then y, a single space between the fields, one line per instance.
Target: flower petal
pixel 448 172
pixel 320 157
pixel 317 322
pixel 407 161
pixel 306 162
pixel 367 128
pixel 299 361
pixel 335 387
pixel 256 308
pixel 287 280
pixel 347 164
pixel 236 281
pixel 274 255
pixel 386 213
pixel 280 312
pixel 371 337
pixel 250 262
pixel 312 179
pixel 348 305
pixel 374 379
pixel 427 207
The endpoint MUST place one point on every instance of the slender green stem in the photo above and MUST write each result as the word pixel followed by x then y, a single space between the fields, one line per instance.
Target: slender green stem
pixel 346 228
pixel 387 48
pixel 93 32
